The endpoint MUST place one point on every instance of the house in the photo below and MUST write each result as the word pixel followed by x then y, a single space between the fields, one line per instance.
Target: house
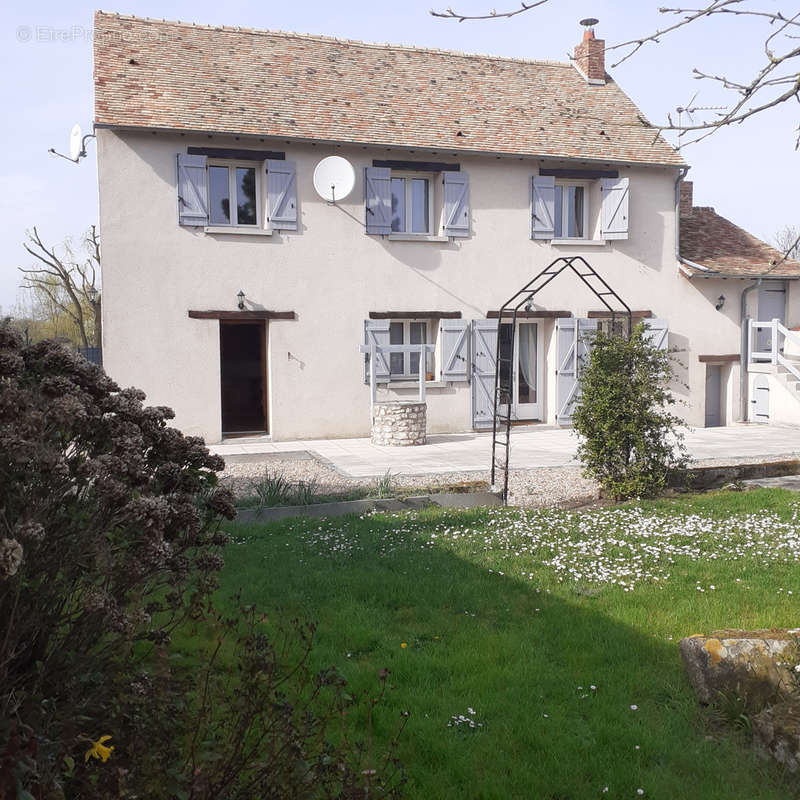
pixel 761 282
pixel 234 293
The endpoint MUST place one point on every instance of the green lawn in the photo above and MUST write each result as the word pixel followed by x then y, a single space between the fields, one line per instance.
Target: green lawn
pixel 559 630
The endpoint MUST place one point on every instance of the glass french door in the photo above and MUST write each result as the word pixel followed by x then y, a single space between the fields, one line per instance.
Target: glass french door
pixel 526 378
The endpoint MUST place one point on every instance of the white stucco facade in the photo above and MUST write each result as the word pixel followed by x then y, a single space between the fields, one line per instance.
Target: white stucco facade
pixel 332 275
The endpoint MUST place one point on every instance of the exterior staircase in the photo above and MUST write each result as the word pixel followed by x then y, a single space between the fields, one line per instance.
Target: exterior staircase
pixel 788 377
pixel 778 358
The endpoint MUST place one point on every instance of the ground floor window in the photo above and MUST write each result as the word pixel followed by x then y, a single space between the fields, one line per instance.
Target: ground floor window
pixel 616 326
pixel 406 365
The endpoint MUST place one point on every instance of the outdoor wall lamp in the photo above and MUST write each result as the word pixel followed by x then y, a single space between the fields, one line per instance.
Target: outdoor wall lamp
pixel 720 302
pixel 92 294
pixel 240 297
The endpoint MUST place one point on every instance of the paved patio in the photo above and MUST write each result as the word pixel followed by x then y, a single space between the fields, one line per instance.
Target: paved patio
pixel 530 448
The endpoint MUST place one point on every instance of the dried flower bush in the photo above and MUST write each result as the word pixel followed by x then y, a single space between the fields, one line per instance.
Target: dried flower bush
pixel 110 541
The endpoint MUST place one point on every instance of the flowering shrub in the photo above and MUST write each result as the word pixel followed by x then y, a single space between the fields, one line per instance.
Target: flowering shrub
pixel 110 543
pixel 631 442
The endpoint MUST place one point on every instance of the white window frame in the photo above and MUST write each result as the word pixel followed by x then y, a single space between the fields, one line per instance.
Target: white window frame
pixel 565 237
pixel 408 176
pixel 232 164
pixel 430 365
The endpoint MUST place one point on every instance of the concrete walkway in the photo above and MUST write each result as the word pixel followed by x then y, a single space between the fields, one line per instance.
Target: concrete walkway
pixel 531 447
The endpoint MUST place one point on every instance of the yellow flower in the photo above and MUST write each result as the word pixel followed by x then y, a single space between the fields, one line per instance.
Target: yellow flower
pixel 403 645
pixel 99 750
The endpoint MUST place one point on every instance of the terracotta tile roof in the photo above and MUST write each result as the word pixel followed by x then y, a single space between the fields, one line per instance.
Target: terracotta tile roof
pixel 716 243
pixel 156 74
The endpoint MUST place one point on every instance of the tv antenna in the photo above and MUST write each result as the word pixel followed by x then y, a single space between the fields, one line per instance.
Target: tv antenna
pixel 689 109
pixel 77 145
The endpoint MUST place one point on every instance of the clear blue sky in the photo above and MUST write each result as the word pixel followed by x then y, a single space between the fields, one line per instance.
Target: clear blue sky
pixel 749 173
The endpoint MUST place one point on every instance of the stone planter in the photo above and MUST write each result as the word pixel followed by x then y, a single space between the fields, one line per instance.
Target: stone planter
pixel 751 663
pixel 760 668
pixel 399 423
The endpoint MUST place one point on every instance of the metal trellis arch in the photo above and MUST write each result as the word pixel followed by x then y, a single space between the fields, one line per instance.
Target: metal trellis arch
pixel 503 392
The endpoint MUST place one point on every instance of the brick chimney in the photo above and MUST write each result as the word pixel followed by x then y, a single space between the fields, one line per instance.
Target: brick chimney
pixel 687 199
pixel 590 58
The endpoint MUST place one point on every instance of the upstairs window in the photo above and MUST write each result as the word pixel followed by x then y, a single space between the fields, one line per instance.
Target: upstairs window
pixel 426 204
pixel 241 193
pixel 234 194
pixel 412 205
pixel 577 210
pixel 571 211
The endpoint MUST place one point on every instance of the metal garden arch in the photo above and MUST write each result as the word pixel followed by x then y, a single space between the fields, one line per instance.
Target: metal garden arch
pixel 503 392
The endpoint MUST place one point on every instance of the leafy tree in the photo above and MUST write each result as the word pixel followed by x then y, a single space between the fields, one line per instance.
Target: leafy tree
pixel 631 442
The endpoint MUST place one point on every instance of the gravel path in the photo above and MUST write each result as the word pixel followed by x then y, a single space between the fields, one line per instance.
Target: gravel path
pixel 544 486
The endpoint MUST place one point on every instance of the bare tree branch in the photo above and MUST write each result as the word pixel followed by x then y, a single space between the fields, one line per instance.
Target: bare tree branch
pixel 756 95
pixel 448 13
pixel 787 240
pixel 66 283
pixel 691 15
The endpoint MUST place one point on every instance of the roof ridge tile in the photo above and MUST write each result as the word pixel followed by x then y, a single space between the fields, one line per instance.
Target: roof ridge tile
pixel 338 40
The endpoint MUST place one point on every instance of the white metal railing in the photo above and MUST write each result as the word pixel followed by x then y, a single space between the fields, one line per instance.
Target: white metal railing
pixel 779 337
pixel 374 350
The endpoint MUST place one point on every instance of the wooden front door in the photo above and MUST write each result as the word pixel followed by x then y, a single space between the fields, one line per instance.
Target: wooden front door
pixel 243 348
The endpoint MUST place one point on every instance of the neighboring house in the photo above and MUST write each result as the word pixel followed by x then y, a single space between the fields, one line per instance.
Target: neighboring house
pixel 473 173
pixel 756 283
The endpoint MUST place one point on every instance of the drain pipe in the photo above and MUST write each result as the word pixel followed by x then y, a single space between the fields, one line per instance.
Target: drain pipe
pixel 745 324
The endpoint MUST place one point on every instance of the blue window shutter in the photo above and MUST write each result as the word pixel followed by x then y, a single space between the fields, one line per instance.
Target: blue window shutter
pixel 484 368
pixel 614 208
pixel 543 206
pixel 456 204
pixel 573 345
pixel 376 331
pixel 281 195
pixel 378 200
pixel 454 339
pixel 657 332
pixel 192 190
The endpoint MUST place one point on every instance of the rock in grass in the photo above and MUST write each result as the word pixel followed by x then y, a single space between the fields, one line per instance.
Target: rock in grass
pixel 757 666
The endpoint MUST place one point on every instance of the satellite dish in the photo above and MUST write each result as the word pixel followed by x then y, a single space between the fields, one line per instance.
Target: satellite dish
pixel 75 147
pixel 334 178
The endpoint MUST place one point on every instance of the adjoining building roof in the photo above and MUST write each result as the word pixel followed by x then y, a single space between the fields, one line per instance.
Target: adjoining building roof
pixel 722 248
pixel 175 75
